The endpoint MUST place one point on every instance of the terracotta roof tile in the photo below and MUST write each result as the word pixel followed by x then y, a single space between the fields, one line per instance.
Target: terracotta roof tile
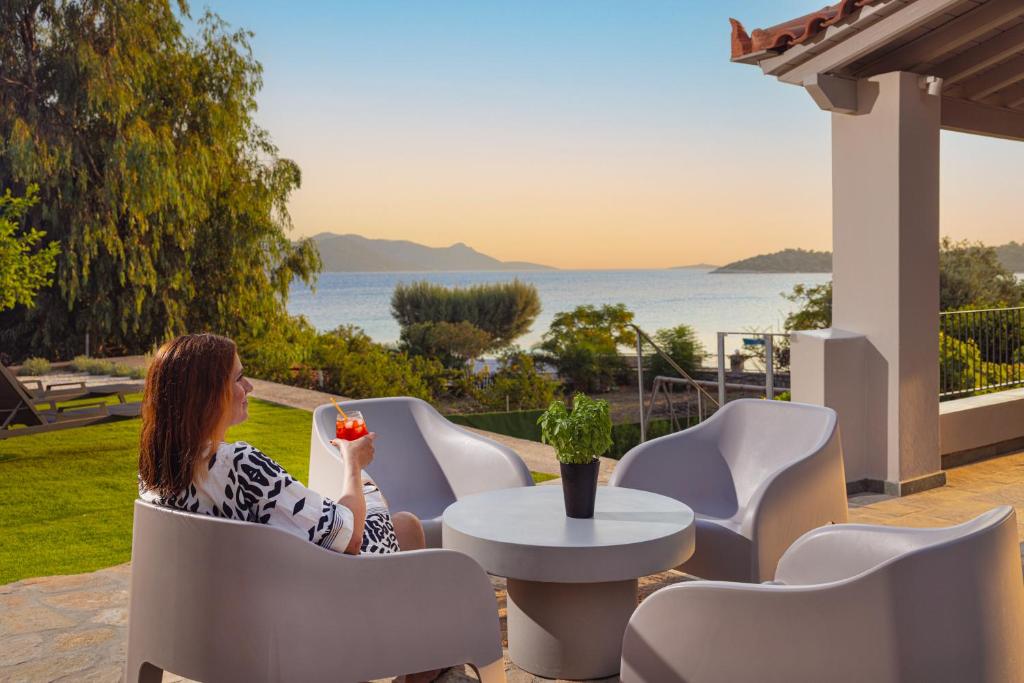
pixel 781 37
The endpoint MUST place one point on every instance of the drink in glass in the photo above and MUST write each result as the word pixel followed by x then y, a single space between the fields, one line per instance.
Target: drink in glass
pixel 351 426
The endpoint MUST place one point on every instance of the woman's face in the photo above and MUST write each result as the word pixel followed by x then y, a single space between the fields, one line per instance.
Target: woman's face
pixel 240 389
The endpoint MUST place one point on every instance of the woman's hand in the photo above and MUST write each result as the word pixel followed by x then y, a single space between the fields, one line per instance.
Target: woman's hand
pixel 359 452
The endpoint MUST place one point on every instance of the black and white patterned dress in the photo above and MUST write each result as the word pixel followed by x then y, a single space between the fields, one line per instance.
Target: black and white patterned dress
pixel 242 483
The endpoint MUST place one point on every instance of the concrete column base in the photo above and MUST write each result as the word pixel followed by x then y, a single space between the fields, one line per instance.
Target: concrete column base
pixel 569 630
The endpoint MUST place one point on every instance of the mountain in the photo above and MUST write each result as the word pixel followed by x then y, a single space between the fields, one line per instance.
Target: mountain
pixel 785 261
pixel 354 253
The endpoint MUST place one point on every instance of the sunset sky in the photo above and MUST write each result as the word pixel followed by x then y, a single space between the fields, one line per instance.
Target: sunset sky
pixel 576 133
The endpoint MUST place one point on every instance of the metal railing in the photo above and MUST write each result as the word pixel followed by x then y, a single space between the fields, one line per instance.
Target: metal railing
pixel 768 339
pixel 980 351
pixel 704 399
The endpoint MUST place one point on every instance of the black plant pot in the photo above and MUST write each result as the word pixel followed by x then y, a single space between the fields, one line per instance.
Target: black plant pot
pixel 579 487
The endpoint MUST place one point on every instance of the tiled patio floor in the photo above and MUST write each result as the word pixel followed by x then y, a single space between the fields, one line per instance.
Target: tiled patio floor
pixel 72 628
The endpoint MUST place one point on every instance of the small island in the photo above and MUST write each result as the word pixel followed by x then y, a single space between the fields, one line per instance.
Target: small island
pixel 785 261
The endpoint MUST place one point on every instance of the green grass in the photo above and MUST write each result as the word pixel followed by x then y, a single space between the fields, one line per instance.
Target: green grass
pixel 540 477
pixel 67 495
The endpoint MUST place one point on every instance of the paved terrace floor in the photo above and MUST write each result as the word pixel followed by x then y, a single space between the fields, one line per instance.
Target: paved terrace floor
pixel 72 628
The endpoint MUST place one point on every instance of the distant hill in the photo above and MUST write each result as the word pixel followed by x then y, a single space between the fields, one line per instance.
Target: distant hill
pixel 785 261
pixel 354 253
pixel 802 261
pixel 695 266
pixel 1011 256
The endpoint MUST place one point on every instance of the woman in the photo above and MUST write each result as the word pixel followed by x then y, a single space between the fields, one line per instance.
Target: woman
pixel 196 389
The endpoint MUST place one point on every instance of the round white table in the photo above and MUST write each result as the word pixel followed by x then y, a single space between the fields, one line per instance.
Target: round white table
pixel 572 583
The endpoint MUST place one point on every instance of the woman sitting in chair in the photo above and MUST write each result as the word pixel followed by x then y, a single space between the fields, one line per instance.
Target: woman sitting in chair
pixel 195 390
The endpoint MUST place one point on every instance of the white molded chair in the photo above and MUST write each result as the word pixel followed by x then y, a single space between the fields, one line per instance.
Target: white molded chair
pixel 758 474
pixel 423 462
pixel 853 603
pixel 223 600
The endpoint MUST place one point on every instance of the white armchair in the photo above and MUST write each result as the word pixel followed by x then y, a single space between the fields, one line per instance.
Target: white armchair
pixel 852 603
pixel 215 599
pixel 758 474
pixel 423 462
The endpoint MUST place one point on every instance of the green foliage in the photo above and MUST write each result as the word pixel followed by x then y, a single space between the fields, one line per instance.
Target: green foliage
pixel 581 436
pixel 682 346
pixel 504 311
pixel 583 345
pixel 971 276
pixel 168 200
pixel 627 436
pixel 518 383
pixel 25 268
pixel 815 312
pixel 98 366
pixel 273 354
pixel 454 344
pixel 522 424
pixel 354 366
pixel 962 366
pixel 34 367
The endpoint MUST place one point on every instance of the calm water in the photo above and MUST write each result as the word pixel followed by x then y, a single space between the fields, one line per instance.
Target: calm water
pixel 659 298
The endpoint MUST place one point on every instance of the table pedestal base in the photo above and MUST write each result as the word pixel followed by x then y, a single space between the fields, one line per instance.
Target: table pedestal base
pixel 569 630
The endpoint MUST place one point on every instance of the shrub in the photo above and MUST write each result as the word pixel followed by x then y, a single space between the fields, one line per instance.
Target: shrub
pixel 272 353
pixel 93 366
pixel 682 346
pixel 454 344
pixel 516 385
pixel 35 366
pixel 504 311
pixel 355 366
pixel 584 345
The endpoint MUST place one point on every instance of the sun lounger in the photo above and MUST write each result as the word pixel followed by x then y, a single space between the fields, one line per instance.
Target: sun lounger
pixel 69 391
pixel 20 416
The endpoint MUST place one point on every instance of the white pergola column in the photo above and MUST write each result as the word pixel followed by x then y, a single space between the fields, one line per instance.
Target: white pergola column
pixel 885 236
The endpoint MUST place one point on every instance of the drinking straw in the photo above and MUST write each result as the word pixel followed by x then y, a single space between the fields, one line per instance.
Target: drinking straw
pixel 343 415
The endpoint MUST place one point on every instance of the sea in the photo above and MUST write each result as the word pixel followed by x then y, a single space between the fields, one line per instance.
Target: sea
pixel 709 302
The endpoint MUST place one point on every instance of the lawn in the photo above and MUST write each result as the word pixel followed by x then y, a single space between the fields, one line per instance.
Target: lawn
pixel 67 495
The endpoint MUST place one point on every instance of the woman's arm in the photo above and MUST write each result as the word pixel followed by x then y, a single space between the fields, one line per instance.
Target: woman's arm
pixel 355 455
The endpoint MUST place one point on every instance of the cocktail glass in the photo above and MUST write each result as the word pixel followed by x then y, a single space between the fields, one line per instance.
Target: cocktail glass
pixel 351 426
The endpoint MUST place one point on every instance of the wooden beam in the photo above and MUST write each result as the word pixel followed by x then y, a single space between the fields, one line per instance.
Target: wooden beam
pixel 1013 96
pixel 976 59
pixel 995 79
pixel 970 117
pixel 948 37
pixel 878 35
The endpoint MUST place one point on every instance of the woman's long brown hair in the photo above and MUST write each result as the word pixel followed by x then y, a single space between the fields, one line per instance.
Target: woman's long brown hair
pixel 185 404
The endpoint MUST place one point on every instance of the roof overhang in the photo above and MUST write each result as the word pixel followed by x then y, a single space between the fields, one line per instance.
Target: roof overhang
pixel 969 52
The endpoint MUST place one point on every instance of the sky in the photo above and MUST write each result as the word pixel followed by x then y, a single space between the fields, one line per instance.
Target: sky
pixel 574 133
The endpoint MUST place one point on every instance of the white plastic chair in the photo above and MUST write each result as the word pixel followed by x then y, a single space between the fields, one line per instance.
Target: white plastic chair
pixel 758 474
pixel 853 603
pixel 423 462
pixel 223 600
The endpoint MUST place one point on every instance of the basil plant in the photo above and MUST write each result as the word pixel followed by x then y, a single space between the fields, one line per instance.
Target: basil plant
pixel 578 437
